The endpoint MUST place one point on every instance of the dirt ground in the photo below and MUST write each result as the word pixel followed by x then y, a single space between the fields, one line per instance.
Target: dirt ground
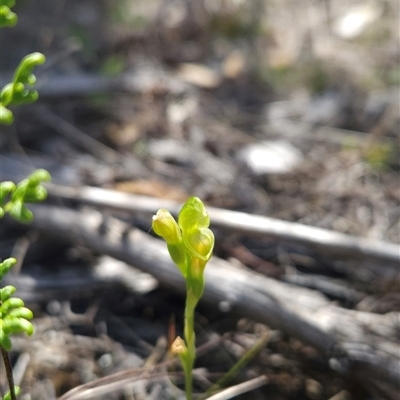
pixel 286 109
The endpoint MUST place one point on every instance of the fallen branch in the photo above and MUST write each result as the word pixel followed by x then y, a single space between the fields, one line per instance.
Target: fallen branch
pixel 322 240
pixel 363 343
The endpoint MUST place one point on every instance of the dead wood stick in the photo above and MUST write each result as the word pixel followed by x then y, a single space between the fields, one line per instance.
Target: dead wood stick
pixel 322 240
pixel 141 80
pixel 368 343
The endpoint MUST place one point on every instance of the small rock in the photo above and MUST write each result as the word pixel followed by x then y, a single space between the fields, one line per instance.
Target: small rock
pixel 234 65
pixel 199 75
pixel 314 389
pixel 270 157
pixel 277 360
pixel 105 360
pixel 357 18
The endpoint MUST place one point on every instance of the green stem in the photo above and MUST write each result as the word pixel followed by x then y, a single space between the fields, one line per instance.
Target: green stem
pixel 190 340
pixel 9 374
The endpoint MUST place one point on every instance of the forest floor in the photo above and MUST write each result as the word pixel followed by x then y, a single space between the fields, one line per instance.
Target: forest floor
pixel 276 109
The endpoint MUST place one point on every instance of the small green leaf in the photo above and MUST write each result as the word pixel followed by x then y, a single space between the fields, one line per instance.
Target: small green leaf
pixel 34 195
pixel 23 73
pixel 6 93
pixel 17 391
pixel 6 265
pixel 17 325
pixel 24 96
pixel 20 312
pixel 18 211
pixel 6 292
pixel 7 17
pixel 6 116
pixel 38 176
pixel 5 342
pixel 12 302
pixel 6 188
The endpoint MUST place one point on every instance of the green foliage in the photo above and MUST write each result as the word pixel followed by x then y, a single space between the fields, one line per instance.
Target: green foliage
pixel 14 317
pixel 7 17
pixel 13 197
pixel 17 91
pixel 17 390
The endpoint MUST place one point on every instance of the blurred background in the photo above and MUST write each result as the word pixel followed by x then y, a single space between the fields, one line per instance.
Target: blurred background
pixel 232 101
pixel 283 108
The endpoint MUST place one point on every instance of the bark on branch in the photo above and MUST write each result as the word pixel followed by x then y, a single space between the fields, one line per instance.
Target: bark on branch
pixel 325 241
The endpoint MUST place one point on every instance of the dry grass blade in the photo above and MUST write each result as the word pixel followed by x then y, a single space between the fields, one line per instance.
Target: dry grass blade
pixel 115 381
pixel 245 387
pixel 113 387
pixel 119 380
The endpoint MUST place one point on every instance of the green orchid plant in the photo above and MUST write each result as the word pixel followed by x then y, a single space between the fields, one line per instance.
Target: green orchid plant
pixel 18 91
pixel 14 316
pixel 13 198
pixel 190 244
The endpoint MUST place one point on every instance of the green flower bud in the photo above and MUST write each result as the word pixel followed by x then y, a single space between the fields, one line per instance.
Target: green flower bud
pixel 199 243
pixel 164 225
pixel 178 346
pixel 194 221
pixel 193 215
